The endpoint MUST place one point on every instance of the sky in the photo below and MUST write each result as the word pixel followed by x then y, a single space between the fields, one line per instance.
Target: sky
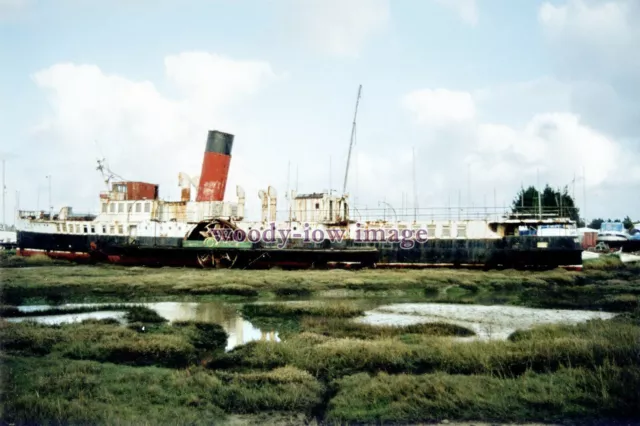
pixel 480 97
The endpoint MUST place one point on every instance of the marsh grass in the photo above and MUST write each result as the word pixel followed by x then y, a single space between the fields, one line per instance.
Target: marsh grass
pixel 594 344
pixel 203 335
pixel 143 314
pixel 9 259
pixel 570 394
pixel 53 390
pixel 324 309
pixel 326 364
pixel 227 289
pixel 177 345
pixel 342 328
pixel 108 283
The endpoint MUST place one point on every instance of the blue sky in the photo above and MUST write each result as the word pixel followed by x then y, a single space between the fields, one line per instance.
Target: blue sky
pixel 497 84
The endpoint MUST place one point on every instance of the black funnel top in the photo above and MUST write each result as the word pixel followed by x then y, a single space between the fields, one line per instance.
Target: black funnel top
pixel 219 142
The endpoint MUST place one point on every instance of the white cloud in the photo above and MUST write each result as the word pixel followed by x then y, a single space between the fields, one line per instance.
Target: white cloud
pixel 10 7
pixel 214 79
pixel 440 107
pixel 466 9
pixel 594 38
pixel 554 146
pixel 144 134
pixel 338 27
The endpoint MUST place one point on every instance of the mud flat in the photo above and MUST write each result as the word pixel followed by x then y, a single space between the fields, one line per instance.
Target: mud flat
pixel 488 322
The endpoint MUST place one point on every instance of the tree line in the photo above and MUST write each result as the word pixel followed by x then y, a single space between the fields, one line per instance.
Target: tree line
pixel 554 201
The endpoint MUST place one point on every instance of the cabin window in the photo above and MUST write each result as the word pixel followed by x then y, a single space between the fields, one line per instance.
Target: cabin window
pixel 147 207
pixel 64 227
pixel 431 231
pixel 112 208
pixel 120 207
pixel 58 227
pixel 112 229
pixel 138 207
pixel 85 229
pixel 120 229
pixel 446 231
pixel 104 207
pixel 317 206
pixel 70 228
pixel 462 231
pixel 77 228
pixel 93 229
pixel 104 229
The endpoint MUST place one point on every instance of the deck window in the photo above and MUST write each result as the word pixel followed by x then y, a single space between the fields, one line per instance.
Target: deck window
pixel 446 231
pixel 431 231
pixel 104 229
pixel 147 207
pixel 64 227
pixel 58 227
pixel 70 228
pixel 462 231
pixel 112 207
pixel 85 229
pixel 120 230
pixel 77 228
pixel 138 207
pixel 93 229
pixel 104 207
pixel 120 207
pixel 112 229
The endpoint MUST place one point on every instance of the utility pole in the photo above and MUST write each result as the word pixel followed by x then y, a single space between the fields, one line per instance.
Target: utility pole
pixel 495 202
pixel 469 184
pixel 539 196
pixel 415 193
pixel 50 205
pixel 329 175
pixel 584 190
pixel 4 190
pixel 17 207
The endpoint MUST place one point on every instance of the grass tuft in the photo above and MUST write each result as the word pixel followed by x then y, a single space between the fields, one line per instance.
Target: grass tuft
pixel 341 310
pixel 341 328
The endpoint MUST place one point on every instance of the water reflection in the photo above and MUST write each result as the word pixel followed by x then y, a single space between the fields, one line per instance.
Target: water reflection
pixel 240 331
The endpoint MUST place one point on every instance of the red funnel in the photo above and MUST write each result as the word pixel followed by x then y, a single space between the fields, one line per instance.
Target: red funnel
pixel 215 166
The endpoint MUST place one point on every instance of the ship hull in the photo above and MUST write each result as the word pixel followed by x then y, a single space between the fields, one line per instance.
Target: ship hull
pixel 520 252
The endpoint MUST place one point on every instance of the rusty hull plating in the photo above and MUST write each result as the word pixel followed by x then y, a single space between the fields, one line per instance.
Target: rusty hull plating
pixel 215 166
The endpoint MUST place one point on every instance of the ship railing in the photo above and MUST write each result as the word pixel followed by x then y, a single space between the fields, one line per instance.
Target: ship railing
pixel 408 214
pixel 33 214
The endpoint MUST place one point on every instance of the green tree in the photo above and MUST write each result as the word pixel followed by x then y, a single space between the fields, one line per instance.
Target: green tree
pixel 627 223
pixel 596 223
pixel 552 201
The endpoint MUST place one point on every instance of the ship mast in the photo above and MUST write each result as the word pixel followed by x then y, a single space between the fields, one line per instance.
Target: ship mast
pixel 106 172
pixel 353 132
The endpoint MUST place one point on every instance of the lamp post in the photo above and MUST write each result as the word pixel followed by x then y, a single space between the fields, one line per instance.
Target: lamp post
pixel 50 205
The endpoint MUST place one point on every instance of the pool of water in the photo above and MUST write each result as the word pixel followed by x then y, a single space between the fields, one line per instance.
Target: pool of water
pixel 240 331
pixel 488 322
